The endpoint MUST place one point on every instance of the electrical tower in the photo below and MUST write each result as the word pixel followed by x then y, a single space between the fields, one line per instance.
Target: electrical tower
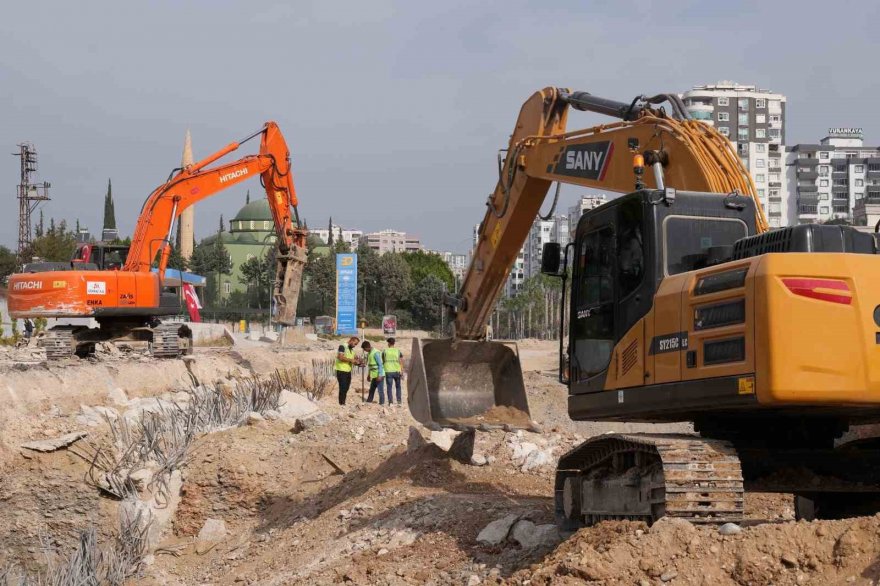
pixel 29 194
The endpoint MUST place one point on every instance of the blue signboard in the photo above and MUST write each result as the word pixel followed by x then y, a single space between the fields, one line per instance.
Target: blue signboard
pixel 346 294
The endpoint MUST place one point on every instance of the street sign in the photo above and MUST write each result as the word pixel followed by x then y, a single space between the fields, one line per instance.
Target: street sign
pixel 346 294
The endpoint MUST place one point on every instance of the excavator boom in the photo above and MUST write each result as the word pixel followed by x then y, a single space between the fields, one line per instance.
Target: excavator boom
pixel 681 153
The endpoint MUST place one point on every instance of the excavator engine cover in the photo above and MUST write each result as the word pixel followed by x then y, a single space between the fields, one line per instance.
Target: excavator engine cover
pixel 461 384
pixel 288 280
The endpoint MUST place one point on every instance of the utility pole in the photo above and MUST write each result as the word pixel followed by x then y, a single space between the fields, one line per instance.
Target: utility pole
pixel 29 195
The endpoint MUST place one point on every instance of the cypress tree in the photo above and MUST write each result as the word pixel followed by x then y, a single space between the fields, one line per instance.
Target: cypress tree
pixel 330 233
pixel 109 210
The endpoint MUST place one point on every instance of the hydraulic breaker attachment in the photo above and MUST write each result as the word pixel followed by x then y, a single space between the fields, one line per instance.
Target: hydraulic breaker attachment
pixel 288 281
pixel 461 384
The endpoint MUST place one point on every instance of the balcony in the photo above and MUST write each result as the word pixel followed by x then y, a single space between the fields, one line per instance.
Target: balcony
pixel 873 191
pixel 873 174
pixel 808 210
pixel 807 188
pixel 807 162
pixel 810 175
pixel 840 189
pixel 773 184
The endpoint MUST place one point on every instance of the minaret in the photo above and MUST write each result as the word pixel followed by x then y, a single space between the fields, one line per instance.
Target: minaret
pixel 188 217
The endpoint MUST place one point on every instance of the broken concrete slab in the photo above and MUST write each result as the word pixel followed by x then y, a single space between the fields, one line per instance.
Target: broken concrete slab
pixel 529 536
pixel 312 421
pixel 496 532
pixel 53 444
pixel 443 439
pixel 293 406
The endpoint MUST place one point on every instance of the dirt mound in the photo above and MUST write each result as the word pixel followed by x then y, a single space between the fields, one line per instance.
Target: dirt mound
pixel 675 551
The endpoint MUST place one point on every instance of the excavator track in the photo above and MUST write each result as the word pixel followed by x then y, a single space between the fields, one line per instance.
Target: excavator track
pixel 166 341
pixel 649 476
pixel 59 343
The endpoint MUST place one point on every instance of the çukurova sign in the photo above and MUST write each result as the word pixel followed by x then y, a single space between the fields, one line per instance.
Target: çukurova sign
pixel 346 294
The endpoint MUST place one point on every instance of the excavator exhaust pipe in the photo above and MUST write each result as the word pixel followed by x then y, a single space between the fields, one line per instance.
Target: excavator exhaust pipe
pixel 288 281
pixel 461 384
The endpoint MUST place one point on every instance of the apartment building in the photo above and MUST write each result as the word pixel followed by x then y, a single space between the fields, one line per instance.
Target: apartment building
pixel 587 203
pixel 555 229
pixel 754 121
pixel 829 178
pixel 457 263
pixel 391 241
pixel 351 237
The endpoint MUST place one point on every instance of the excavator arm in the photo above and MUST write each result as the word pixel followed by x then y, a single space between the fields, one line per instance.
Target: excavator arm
pixel 683 153
pixel 467 381
pixel 155 225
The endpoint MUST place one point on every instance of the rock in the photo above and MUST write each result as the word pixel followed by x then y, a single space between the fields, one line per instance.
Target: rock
pixel 293 405
pixel 479 460
pixel 382 551
pixel 496 531
pixel 212 533
pixel 443 439
pixel 50 445
pixel 537 459
pixel 254 418
pixel 312 421
pixel 668 575
pixel 789 559
pixel 644 582
pixel 730 529
pixel 462 448
pixel 415 440
pixel 474 580
pixel 272 415
pixel 522 450
pixel 530 536
pixel 535 427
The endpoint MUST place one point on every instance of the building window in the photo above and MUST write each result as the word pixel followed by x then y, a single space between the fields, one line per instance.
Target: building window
pixel 760 103
pixel 860 182
pixel 823 170
pixel 759 163
pixel 775 119
pixel 760 133
pixel 823 210
pixel 759 178
pixel 724 130
pixel 873 167
pixel 743 103
pixel 743 119
pixel 227 287
pixel 761 148
pixel 760 118
pixel 824 196
pixel 774 176
pixel 860 168
pixel 775 208
pixel 723 117
pixel 701 115
pixel 823 155
pixel 761 193
pixel 743 134
pixel 774 193
pixel 860 194
pixel 723 101
pixel 823 183
pixel 774 133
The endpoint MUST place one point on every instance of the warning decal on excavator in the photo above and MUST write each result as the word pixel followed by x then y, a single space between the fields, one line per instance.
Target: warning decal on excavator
pixel 746 385
pixel 589 161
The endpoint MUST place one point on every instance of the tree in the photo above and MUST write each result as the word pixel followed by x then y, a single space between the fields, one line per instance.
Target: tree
pixel 8 262
pixel 426 302
pixel 422 264
pixel 837 222
pixel 256 273
pixel 57 244
pixel 330 233
pixel 38 231
pixel 109 209
pixel 211 259
pixel 394 281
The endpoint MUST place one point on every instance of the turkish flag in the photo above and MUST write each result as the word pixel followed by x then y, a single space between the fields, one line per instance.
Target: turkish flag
pixel 192 302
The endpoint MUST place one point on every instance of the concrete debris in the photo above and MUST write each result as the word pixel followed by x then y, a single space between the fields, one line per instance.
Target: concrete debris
pixel 443 439
pixel 730 529
pixel 479 460
pixel 293 406
pixel 50 445
pixel 212 533
pixel 272 415
pixel 140 478
pixel 95 416
pixel 496 532
pixel 415 440
pixel 529 536
pixel 312 421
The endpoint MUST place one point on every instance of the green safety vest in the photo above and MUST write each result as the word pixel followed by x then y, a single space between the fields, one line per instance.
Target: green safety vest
pixel 373 365
pixel 342 366
pixel 391 357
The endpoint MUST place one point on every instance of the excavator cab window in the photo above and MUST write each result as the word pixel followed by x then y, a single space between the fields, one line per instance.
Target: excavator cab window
pixel 593 325
pixel 688 241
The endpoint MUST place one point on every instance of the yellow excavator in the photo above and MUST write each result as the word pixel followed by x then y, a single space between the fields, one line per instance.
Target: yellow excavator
pixel 683 306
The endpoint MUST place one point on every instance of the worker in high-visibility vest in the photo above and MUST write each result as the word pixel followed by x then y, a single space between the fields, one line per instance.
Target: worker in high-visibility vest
pixel 345 360
pixel 375 372
pixel 393 360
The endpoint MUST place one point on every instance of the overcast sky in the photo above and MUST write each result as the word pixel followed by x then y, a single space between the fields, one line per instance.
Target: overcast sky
pixel 393 110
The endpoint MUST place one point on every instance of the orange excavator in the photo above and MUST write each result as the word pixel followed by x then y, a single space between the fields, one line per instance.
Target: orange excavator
pixel 127 298
pixel 683 306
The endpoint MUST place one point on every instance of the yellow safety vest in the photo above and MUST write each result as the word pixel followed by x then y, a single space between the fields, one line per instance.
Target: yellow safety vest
pixel 373 365
pixel 341 365
pixel 391 357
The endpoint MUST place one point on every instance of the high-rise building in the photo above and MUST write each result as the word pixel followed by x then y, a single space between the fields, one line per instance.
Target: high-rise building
pixel 457 263
pixel 587 203
pixel 391 241
pixel 828 179
pixel 556 229
pixel 754 121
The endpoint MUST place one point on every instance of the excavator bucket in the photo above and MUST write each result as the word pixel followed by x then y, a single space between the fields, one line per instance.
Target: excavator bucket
pixel 461 384
pixel 288 281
